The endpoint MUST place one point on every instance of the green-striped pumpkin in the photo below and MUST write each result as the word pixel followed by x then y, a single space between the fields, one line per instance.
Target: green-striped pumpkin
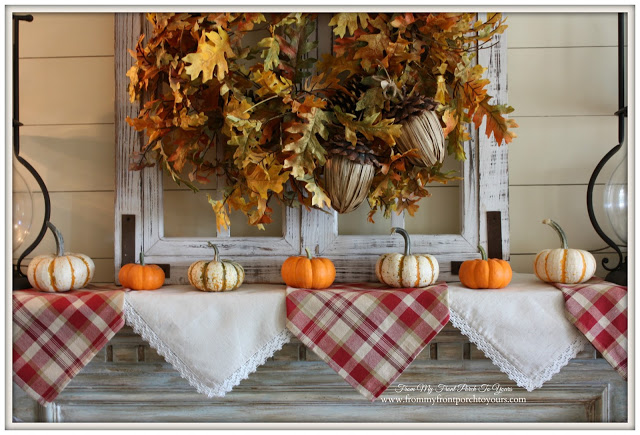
pixel 407 270
pixel 564 265
pixel 215 275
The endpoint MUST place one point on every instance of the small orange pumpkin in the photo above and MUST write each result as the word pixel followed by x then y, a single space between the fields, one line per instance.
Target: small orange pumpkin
pixel 485 273
pixel 141 276
pixel 308 272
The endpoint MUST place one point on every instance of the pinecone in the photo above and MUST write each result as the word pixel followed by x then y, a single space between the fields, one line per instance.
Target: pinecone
pixel 410 107
pixel 348 101
pixel 360 153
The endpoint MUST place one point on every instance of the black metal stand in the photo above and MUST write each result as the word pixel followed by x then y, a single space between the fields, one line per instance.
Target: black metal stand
pixel 618 274
pixel 19 279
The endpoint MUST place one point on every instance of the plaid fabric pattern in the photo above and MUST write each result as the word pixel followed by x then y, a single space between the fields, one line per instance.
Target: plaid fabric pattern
pixel 367 333
pixel 56 334
pixel 599 310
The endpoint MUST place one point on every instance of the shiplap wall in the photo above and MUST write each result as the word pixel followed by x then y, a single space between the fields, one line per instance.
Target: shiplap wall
pixel 67 107
pixel 562 77
pixel 562 81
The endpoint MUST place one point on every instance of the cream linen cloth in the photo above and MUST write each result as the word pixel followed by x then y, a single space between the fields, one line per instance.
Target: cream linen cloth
pixel 521 328
pixel 215 340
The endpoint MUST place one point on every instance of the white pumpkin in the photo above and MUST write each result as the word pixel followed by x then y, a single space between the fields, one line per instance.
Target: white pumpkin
pixel 60 272
pixel 407 270
pixel 215 275
pixel 564 265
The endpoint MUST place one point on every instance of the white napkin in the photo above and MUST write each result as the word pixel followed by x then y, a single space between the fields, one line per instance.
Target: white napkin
pixel 215 340
pixel 521 328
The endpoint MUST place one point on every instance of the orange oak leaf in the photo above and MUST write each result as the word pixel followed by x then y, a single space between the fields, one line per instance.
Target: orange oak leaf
pixel 450 121
pixel 497 124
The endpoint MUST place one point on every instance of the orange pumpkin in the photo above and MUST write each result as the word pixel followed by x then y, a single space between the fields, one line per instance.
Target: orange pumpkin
pixel 485 273
pixel 141 276
pixel 308 272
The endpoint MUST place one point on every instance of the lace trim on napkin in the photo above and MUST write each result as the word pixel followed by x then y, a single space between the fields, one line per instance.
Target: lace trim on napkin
pixel 529 383
pixel 141 328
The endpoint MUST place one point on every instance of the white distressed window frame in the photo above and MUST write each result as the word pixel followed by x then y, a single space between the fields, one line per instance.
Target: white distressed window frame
pixel 485 187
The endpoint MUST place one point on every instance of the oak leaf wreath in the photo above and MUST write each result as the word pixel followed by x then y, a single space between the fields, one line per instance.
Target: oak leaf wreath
pixel 280 114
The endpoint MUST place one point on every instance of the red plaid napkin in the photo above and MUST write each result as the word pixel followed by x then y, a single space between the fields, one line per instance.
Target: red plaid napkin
pixel 56 334
pixel 599 310
pixel 367 333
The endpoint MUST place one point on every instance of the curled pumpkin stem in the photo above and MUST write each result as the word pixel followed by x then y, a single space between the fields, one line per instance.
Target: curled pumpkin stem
pixel 215 250
pixel 483 253
pixel 559 230
pixel 309 256
pixel 57 235
pixel 405 235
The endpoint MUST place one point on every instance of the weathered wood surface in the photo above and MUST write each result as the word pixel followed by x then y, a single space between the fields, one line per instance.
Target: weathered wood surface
pixel 130 382
pixel 128 28
pixel 493 160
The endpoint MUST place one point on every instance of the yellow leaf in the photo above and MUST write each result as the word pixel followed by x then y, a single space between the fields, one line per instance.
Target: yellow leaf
pixel 384 129
pixel 261 180
pixel 442 91
pixel 271 83
pixel 222 217
pixel 348 21
pixel 210 56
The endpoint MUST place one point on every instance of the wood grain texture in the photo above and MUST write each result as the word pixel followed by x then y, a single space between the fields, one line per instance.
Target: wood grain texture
pixel 493 158
pixel 294 386
pixel 128 27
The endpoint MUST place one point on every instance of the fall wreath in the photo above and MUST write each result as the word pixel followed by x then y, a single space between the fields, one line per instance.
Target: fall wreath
pixel 314 132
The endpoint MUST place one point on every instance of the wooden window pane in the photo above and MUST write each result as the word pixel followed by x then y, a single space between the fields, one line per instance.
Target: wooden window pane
pixel 356 224
pixel 438 214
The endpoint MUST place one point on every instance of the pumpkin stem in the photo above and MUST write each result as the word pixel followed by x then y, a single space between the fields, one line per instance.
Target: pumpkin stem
pixel 405 235
pixel 483 253
pixel 141 259
pixel 559 230
pixel 57 235
pixel 308 253
pixel 215 250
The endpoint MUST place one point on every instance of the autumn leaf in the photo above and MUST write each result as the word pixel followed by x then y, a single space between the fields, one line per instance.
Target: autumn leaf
pixel 384 129
pixel 271 84
pixel 318 196
pixel 262 180
pixel 222 217
pixel 270 53
pixel 248 20
pixel 497 124
pixel 210 56
pixel 374 50
pixel 402 21
pixel 450 121
pixel 348 21
pixel 372 101
pixel 306 148
pixel 441 93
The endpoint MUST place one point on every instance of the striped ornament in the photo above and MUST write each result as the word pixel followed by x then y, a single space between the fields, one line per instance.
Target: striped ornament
pixel 215 275
pixel 564 265
pixel 60 272
pixel 407 270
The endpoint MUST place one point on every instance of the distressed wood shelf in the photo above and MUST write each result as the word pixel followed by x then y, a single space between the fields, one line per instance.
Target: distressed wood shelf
pixel 129 382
